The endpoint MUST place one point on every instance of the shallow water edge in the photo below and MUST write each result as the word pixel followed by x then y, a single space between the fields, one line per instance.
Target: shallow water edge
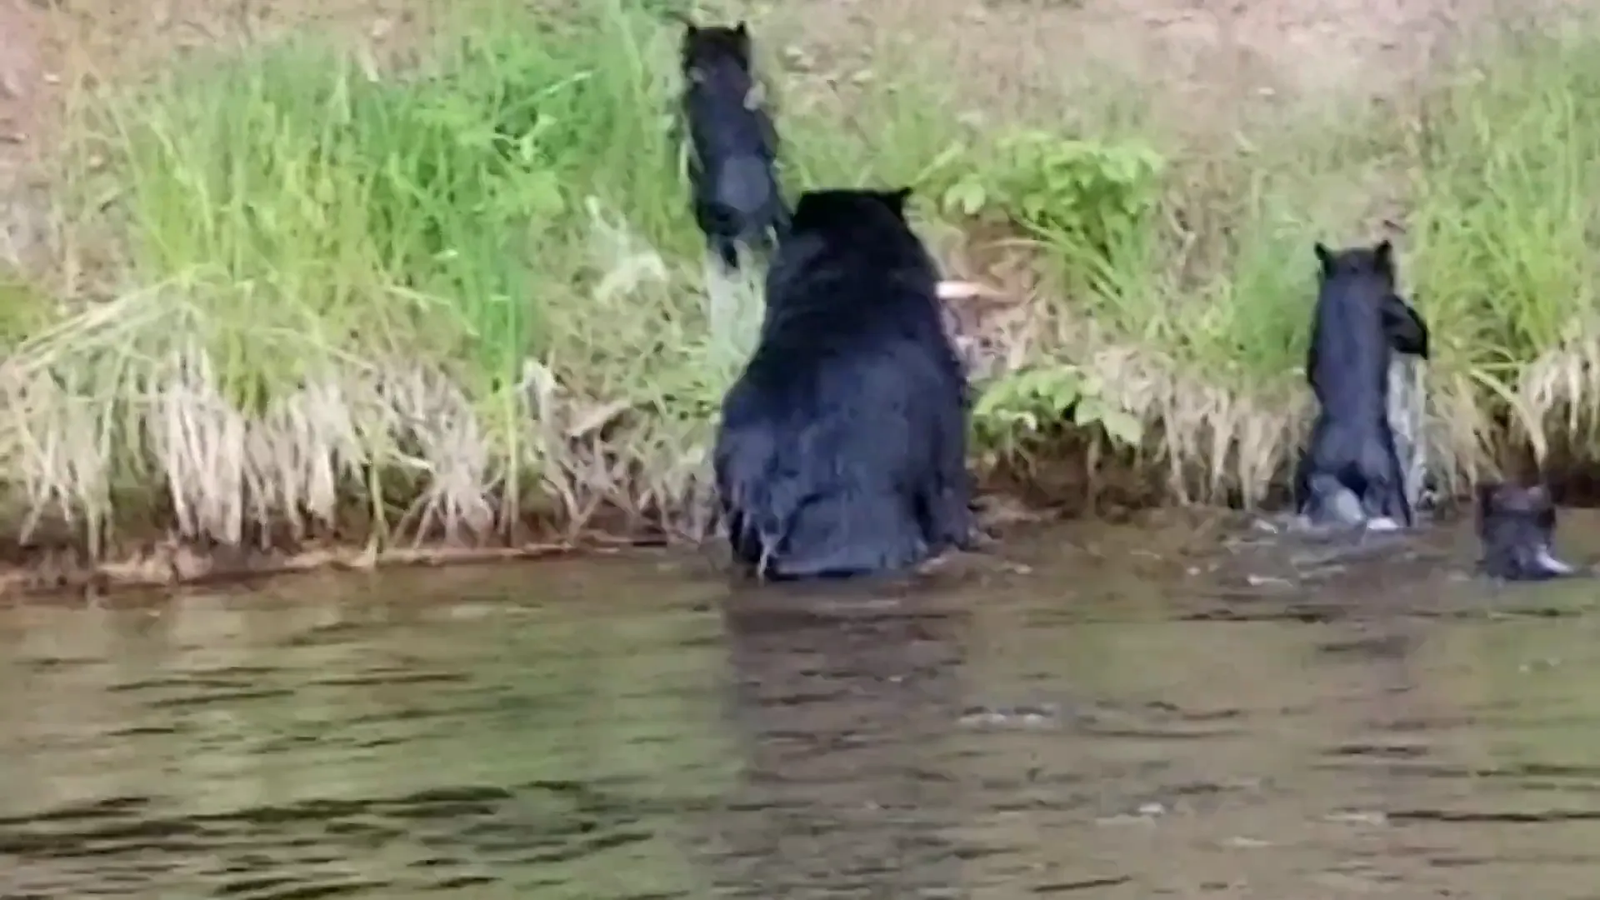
pixel 175 564
pixel 1157 535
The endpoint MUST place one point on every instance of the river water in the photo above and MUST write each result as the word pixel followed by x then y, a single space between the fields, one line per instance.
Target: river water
pixel 1179 709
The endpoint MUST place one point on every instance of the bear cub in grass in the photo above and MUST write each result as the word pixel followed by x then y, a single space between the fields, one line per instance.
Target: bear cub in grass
pixel 733 145
pixel 841 449
pixel 1517 526
pixel 1350 472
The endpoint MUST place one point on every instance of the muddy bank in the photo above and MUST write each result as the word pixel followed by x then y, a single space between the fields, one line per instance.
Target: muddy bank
pixel 1015 498
pixel 33 571
pixel 1014 502
pixel 57 561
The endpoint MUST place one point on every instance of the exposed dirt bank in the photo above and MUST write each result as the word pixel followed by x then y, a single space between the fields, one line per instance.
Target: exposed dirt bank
pixel 169 563
pixel 63 568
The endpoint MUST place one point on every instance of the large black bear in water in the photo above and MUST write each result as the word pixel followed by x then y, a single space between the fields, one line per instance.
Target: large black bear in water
pixel 842 446
pixel 1350 471
pixel 732 141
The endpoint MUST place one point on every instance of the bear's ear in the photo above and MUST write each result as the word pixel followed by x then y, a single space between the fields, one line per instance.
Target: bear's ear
pixel 1324 258
pixel 1383 256
pixel 896 200
pixel 742 29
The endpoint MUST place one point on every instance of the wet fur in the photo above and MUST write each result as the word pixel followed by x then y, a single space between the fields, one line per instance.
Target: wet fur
pixel 733 144
pixel 1517 526
pixel 841 449
pixel 1351 461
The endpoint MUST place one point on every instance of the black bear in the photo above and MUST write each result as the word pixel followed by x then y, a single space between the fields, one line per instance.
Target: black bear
pixel 842 445
pixel 1350 472
pixel 1517 527
pixel 733 145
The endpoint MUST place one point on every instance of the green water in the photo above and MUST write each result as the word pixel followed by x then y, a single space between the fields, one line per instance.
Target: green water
pixel 1115 712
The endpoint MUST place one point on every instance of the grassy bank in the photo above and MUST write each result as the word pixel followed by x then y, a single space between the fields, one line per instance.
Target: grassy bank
pixel 454 299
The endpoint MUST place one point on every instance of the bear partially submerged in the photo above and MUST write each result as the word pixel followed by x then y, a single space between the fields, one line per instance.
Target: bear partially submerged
pixel 1350 472
pixel 1517 527
pixel 733 143
pixel 841 449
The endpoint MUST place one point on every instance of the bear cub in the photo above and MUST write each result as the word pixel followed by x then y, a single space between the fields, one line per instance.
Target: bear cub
pixel 733 144
pixel 1517 526
pixel 1350 473
pixel 841 449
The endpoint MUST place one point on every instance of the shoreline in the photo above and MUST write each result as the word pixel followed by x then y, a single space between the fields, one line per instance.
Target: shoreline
pixel 168 564
pixel 61 569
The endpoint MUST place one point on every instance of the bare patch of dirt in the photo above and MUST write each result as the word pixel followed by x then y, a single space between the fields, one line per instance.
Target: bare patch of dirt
pixel 1202 64
pixel 47 48
pixel 19 71
pixel 23 96
pixel 1199 63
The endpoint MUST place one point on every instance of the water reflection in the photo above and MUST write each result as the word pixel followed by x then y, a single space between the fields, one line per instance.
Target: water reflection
pixel 1143 712
pixel 844 707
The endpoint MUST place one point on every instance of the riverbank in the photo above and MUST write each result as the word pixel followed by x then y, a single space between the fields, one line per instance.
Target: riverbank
pixel 303 293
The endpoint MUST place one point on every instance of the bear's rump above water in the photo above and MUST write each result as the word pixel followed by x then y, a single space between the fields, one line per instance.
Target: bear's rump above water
pixel 842 446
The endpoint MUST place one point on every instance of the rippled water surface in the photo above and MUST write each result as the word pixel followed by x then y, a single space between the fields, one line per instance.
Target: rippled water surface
pixel 1100 712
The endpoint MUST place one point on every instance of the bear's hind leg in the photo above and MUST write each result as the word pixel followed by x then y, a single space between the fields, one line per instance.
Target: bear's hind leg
pixel 836 537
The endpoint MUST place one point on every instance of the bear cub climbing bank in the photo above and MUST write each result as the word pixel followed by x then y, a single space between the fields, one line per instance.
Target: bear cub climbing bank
pixel 1350 471
pixel 841 449
pixel 732 141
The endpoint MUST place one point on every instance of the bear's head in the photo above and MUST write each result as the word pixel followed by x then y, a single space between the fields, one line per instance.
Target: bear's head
pixel 1375 263
pixel 850 209
pixel 714 48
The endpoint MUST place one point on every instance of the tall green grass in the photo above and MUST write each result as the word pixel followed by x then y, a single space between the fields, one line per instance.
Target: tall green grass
pixel 459 297
pixel 463 295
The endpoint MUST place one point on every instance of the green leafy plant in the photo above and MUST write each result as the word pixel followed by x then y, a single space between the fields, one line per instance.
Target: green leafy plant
pixel 1034 402
pixel 1062 189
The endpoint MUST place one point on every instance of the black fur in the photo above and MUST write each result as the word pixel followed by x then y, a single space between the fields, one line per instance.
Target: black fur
pixel 733 143
pixel 1408 333
pixel 1351 462
pixel 1517 527
pixel 842 446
